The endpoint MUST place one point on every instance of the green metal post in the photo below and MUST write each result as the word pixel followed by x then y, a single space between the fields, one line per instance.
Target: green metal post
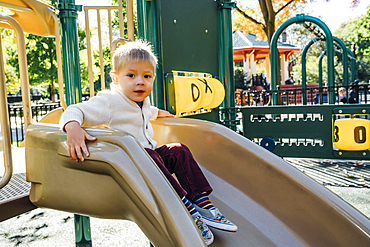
pixel 344 58
pixel 330 52
pixel 71 58
pixel 304 54
pixel 226 61
pixel 345 62
pixel 72 79
pixel 149 29
pixel 353 65
pixel 304 70
pixel 320 67
pixel 226 67
pixel 82 231
pixel 320 77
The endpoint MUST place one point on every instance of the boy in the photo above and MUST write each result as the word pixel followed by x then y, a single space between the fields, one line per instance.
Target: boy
pixel 126 107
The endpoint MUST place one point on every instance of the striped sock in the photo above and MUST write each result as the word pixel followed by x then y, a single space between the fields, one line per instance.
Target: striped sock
pixel 203 201
pixel 189 206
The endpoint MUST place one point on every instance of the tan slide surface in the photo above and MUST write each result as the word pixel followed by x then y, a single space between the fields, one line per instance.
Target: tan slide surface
pixel 118 181
pixel 272 203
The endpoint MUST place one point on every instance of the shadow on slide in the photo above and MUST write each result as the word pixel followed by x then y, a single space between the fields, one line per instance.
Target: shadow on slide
pixel 272 203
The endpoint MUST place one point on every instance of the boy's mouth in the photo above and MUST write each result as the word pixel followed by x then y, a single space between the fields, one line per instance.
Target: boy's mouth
pixel 139 91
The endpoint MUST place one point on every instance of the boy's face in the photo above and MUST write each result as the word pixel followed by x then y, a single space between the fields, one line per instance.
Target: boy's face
pixel 135 80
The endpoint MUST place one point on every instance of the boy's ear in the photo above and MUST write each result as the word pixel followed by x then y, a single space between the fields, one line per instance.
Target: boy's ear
pixel 114 77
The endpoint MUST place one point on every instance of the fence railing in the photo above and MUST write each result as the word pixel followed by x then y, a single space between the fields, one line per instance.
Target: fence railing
pixel 16 119
pixel 353 93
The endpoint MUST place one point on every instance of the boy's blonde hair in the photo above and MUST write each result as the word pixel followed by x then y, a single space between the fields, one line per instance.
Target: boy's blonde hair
pixel 131 52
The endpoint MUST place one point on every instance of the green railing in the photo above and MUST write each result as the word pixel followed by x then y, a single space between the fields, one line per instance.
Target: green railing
pixel 274 54
pixel 301 131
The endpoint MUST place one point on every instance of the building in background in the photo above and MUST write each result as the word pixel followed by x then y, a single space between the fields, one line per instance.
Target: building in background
pixel 248 50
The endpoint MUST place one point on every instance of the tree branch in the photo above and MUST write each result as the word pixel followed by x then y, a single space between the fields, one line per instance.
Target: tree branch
pixel 270 10
pixel 264 11
pixel 248 17
pixel 277 12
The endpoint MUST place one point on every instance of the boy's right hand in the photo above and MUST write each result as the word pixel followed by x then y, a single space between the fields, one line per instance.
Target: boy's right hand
pixel 76 137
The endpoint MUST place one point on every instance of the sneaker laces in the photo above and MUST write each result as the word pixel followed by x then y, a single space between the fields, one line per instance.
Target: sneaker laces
pixel 206 233
pixel 221 218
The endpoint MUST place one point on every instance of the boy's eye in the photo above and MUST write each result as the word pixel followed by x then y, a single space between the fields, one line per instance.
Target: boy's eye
pixel 147 76
pixel 131 75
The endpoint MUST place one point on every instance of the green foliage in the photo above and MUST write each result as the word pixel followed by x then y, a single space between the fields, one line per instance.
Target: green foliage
pixel 300 37
pixel 82 45
pixel 81 37
pixel 107 69
pixel 10 46
pixel 115 21
pixel 41 57
pixel 51 2
pixel 356 36
pixel 239 79
pixel 41 60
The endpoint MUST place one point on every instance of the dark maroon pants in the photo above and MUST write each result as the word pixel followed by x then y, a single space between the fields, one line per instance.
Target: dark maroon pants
pixel 176 158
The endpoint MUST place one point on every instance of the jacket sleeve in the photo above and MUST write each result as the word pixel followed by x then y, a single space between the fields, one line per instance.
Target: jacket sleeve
pixel 94 112
pixel 154 111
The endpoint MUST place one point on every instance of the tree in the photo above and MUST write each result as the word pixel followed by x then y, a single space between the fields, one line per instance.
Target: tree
pixel 41 60
pixel 356 35
pixel 274 13
pixel 262 18
pixel 9 44
pixel 239 78
pixel 115 21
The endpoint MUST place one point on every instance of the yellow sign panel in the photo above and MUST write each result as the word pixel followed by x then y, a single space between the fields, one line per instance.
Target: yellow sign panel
pixel 352 134
pixel 193 94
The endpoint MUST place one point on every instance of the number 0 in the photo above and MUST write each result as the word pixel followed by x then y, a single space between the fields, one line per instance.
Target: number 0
pixel 360 134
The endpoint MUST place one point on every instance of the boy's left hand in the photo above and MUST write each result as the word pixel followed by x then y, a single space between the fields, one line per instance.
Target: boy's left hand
pixel 163 113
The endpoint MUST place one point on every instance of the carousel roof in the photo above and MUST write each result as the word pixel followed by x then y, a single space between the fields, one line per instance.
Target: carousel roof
pixel 244 44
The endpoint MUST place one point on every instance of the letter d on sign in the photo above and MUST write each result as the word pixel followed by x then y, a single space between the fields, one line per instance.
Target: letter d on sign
pixel 192 92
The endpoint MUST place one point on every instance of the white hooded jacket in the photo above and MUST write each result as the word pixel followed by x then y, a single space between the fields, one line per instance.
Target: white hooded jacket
pixel 114 110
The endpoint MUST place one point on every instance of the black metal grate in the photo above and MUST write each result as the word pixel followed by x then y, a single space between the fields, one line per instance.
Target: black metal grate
pixel 17 186
pixel 335 172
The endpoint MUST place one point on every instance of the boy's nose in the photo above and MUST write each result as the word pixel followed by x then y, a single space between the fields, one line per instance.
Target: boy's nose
pixel 139 80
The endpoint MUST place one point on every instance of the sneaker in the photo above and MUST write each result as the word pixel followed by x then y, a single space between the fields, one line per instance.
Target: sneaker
pixel 214 218
pixel 203 228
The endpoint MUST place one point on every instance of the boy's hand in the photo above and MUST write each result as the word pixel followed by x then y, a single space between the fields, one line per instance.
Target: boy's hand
pixel 76 137
pixel 163 113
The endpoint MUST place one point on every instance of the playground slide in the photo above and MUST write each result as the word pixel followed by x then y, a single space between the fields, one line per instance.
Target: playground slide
pixel 272 203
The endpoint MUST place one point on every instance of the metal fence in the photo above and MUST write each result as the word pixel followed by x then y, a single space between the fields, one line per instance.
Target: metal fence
pixel 16 119
pixel 355 93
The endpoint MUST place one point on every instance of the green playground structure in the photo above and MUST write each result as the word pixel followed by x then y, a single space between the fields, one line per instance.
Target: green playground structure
pixel 272 203
pixel 305 131
pixel 345 65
